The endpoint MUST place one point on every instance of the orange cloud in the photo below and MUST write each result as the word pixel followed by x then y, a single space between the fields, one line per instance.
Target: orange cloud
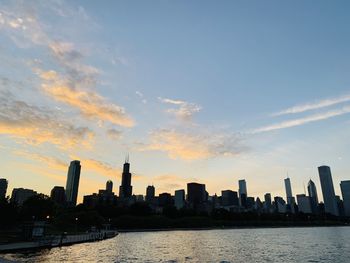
pixel 193 146
pixel 101 168
pixel 37 125
pixel 89 103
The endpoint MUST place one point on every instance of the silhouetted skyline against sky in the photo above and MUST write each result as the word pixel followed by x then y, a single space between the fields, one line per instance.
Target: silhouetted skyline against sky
pixel 201 91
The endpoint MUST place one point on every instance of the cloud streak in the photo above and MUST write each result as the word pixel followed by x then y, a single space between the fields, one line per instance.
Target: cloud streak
pixel 37 125
pixel 89 103
pixel 184 111
pixel 313 106
pixel 76 81
pixel 193 146
pixel 302 121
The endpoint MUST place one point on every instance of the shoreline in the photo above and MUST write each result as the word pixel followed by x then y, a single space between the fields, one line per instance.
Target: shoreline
pixel 56 241
pixel 141 230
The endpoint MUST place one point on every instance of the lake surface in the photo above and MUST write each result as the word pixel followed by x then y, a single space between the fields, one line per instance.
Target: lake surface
pixel 318 244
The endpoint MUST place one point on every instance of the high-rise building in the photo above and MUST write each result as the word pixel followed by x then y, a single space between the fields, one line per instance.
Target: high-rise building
pixel 125 189
pixel 179 198
pixel 229 198
pixel 330 202
pixel 3 188
pixel 150 194
pixel 196 194
pixel 304 204
pixel 165 199
pixel 109 187
pixel 345 191
pixel 242 191
pixel 104 197
pixel 72 185
pixel 280 205
pixel 20 195
pixel 58 195
pixel 267 202
pixel 289 195
pixel 311 189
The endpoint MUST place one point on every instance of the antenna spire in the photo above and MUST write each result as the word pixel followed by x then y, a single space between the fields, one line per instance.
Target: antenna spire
pixel 127 158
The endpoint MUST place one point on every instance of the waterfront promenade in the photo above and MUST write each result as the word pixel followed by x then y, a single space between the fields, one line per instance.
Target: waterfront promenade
pixel 57 240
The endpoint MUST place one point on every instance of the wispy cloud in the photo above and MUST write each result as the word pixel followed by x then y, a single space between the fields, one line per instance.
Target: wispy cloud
pixel 114 134
pixel 54 163
pixel 89 103
pixel 141 96
pixel 184 111
pixel 314 105
pixel 36 125
pixel 193 146
pixel 100 167
pixel 75 83
pixel 51 162
pixel 304 120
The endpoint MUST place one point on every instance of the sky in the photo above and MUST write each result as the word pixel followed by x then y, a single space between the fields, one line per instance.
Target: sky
pixel 193 91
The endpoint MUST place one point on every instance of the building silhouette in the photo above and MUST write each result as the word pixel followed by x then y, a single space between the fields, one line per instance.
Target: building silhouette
pixel 125 189
pixel 104 197
pixel 289 195
pixel 58 195
pixel 3 188
pixel 20 195
pixel 330 202
pixel 304 204
pixel 229 198
pixel 150 194
pixel 267 202
pixel 196 194
pixel 179 198
pixel 242 191
pixel 280 204
pixel 345 191
pixel 165 199
pixel 109 187
pixel 72 185
pixel 311 189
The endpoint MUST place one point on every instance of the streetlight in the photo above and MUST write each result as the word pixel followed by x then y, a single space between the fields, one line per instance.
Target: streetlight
pixel 76 224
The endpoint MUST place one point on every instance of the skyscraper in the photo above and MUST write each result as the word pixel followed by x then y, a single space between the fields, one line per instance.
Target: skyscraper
pixel 150 193
pixel 311 189
pixel 345 191
pixel 268 202
pixel 242 191
pixel 109 187
pixel 3 188
pixel 304 204
pixel 179 198
pixel 330 202
pixel 196 194
pixel 125 190
pixel 73 183
pixel 289 195
pixel 229 198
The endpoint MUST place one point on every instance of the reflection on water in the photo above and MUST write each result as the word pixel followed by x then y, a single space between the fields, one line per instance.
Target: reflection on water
pixel 331 244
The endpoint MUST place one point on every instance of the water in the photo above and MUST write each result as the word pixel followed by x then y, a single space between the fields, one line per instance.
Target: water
pixel 326 244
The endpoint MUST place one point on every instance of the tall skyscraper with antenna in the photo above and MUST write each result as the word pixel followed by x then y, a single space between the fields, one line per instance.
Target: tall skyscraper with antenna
pixel 289 195
pixel 125 189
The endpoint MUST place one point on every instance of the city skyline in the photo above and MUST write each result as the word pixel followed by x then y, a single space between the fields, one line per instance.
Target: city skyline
pixel 197 92
pixel 308 202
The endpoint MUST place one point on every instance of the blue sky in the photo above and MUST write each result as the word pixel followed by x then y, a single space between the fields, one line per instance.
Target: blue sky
pixel 193 90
